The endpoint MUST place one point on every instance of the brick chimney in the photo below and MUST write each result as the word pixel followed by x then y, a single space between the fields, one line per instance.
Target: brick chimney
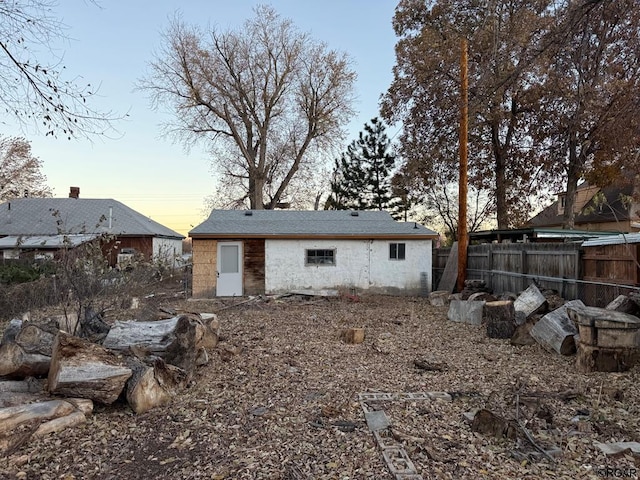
pixel 74 192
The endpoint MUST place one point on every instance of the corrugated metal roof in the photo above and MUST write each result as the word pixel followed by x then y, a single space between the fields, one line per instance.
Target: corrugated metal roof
pixel 318 223
pixel 613 240
pixel 45 241
pixel 53 216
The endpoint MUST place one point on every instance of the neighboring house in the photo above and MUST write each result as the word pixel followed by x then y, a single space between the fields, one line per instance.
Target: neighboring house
pixel 597 209
pixel 238 252
pixel 43 226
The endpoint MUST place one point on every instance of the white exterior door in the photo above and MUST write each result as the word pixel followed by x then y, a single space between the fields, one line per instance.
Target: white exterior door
pixel 229 269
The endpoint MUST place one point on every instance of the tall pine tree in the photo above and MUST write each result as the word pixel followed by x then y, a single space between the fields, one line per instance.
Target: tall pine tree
pixel 362 175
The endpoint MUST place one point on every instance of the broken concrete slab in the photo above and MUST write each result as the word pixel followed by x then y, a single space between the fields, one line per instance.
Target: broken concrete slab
pixel 377 420
pixel 466 312
pixel 529 301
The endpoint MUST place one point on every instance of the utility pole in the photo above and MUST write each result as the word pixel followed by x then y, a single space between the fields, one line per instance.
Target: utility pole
pixel 463 237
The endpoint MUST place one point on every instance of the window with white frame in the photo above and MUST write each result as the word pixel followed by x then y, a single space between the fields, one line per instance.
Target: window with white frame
pixel 397 251
pixel 320 257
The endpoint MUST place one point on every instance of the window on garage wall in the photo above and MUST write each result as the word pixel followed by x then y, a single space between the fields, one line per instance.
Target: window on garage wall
pixel 397 251
pixel 320 257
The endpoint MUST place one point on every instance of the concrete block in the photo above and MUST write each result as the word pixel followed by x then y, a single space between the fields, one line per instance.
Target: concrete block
pixel 466 312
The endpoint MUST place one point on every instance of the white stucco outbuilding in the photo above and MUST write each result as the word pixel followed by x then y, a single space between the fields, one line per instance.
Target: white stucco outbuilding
pixel 249 252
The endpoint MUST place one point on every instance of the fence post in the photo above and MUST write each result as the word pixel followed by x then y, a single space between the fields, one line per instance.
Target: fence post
pixel 490 265
pixel 524 268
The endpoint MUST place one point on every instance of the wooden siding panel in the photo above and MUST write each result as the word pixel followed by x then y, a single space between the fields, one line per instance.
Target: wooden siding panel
pixel 144 245
pixel 204 268
pixel 253 265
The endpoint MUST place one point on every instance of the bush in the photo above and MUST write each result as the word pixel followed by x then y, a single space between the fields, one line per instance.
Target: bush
pixel 11 273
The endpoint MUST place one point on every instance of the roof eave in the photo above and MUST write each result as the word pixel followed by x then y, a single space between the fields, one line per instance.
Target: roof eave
pixel 329 236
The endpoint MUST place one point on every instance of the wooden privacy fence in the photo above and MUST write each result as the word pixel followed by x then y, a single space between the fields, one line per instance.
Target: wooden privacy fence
pixel 511 267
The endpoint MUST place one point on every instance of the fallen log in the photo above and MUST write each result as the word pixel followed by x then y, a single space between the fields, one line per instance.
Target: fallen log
pixel 500 318
pixel 58 424
pixel 86 370
pixel 152 386
pixel 179 340
pixel 19 423
pixel 555 331
pixel 157 336
pixel 16 363
pixel 12 417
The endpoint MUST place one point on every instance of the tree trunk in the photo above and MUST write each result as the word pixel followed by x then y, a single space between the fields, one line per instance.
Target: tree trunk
pixel 86 370
pixel 176 339
pixel 500 318
pixel 573 176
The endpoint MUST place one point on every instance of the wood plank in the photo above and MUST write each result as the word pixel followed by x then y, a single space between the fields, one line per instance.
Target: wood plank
pixel 450 274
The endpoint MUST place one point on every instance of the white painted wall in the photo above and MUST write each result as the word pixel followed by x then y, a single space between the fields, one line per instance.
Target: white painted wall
pixel 167 250
pixel 360 264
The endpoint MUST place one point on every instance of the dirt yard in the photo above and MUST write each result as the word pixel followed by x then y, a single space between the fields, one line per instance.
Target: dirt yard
pixel 279 400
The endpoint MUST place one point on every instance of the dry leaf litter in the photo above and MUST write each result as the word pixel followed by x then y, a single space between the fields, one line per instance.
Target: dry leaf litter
pixel 279 400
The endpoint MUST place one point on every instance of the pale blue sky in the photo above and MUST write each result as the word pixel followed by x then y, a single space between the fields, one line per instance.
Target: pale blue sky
pixel 112 44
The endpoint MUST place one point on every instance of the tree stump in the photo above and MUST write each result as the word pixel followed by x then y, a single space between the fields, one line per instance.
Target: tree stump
pixel 352 335
pixel 86 370
pixel 500 319
pixel 609 339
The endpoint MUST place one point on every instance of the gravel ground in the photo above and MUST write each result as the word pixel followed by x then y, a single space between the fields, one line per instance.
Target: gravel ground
pixel 279 400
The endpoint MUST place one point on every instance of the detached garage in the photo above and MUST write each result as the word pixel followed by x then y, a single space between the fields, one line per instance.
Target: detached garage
pixel 250 252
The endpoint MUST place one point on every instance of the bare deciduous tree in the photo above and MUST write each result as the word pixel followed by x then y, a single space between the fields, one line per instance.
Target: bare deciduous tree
pixel 20 171
pixel 265 96
pixel 34 91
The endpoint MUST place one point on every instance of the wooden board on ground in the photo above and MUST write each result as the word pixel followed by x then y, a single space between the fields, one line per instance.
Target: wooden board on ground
pixel 450 274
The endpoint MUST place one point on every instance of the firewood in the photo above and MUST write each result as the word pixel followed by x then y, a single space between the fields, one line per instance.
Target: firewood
pixel 166 338
pixel 555 331
pixel 152 386
pixel 12 417
pixel 500 319
pixel 58 424
pixel 352 335
pixel 86 370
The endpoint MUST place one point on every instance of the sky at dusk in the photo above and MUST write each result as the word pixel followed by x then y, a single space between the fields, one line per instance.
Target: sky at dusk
pixel 110 44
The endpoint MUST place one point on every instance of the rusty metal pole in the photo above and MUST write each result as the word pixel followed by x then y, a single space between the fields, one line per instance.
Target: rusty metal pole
pixel 463 237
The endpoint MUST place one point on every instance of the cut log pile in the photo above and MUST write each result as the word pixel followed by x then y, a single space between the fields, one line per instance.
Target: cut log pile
pixel 605 339
pixel 146 363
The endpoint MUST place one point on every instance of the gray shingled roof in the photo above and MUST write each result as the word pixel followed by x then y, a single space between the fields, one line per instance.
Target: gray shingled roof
pixel 52 216
pixel 320 223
